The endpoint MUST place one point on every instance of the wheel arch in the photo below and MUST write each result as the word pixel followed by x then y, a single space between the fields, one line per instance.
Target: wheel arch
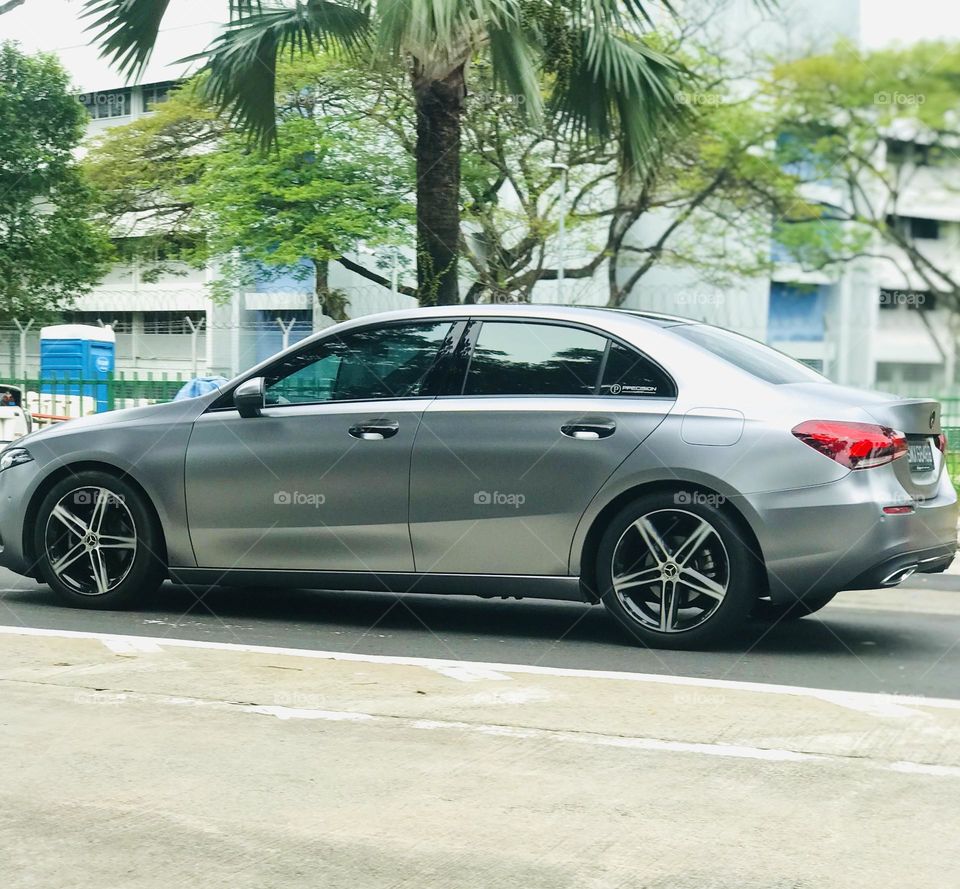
pixel 591 541
pixel 62 472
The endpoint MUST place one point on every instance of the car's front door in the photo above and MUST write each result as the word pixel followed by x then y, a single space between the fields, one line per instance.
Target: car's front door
pixel 503 471
pixel 318 481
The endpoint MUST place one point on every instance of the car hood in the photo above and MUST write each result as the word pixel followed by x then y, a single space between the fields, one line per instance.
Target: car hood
pixel 164 414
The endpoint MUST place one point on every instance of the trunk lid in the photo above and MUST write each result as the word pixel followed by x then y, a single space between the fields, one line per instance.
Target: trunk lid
pixel 917 418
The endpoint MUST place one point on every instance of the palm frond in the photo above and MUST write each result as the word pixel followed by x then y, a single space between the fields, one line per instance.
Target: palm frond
pixel 618 87
pixel 440 26
pixel 126 30
pixel 514 67
pixel 240 9
pixel 617 13
pixel 241 64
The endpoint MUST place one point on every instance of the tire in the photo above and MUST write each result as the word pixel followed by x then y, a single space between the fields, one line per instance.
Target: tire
pixel 775 612
pixel 97 542
pixel 713 586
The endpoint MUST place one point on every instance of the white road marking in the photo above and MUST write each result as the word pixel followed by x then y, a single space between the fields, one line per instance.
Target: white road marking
pixel 304 713
pixel 132 645
pixel 590 739
pixel 923 768
pixel 469 673
pixel 865 702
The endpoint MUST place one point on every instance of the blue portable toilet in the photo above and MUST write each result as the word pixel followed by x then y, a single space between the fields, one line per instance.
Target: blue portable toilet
pixel 77 359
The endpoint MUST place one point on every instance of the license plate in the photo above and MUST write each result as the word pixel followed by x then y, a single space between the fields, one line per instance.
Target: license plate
pixel 921 457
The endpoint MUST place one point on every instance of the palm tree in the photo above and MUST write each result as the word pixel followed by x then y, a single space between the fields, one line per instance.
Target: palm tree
pixel 602 80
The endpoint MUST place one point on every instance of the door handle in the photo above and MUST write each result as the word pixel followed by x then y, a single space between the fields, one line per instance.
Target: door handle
pixel 375 430
pixel 589 428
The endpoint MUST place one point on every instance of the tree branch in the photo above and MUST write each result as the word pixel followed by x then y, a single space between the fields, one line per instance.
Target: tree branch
pixel 364 272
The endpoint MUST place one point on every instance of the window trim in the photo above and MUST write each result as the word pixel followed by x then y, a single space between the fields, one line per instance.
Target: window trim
pixel 475 324
pixel 456 327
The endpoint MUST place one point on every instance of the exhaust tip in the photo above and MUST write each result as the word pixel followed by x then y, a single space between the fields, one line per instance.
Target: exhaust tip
pixel 899 576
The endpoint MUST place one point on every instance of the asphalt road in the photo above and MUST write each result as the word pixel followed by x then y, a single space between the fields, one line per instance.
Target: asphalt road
pixel 905 641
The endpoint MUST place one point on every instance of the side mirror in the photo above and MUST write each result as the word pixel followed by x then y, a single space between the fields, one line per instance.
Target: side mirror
pixel 249 398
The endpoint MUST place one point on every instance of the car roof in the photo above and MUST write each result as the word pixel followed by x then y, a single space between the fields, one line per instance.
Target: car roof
pixel 544 311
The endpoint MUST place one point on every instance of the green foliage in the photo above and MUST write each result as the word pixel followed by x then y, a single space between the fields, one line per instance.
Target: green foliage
pixel 838 114
pixel 187 182
pixel 608 82
pixel 324 190
pixel 49 251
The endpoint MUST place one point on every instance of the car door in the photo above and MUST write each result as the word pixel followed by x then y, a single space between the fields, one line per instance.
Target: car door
pixel 320 480
pixel 503 471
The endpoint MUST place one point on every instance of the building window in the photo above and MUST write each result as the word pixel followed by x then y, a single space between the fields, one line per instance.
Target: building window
pixel 918 300
pixel 121 322
pixel 108 103
pixel 171 322
pixel 156 94
pixel 915 227
pixel 796 313
pixel 918 373
pixel 901 152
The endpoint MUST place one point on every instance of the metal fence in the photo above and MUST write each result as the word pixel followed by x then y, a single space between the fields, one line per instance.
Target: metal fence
pixel 53 399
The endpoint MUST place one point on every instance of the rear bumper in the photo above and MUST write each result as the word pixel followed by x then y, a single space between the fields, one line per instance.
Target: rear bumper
pixel 836 537
pixel 897 568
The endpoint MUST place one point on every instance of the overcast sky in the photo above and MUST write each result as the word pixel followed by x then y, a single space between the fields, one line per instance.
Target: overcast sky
pixel 54 24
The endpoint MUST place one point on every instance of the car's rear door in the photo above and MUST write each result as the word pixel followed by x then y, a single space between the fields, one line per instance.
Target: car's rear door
pixel 504 467
pixel 320 480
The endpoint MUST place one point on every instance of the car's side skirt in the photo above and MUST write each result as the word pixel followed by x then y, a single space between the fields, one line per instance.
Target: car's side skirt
pixel 524 586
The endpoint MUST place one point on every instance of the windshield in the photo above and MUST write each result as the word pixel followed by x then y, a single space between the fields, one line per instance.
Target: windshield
pixel 749 355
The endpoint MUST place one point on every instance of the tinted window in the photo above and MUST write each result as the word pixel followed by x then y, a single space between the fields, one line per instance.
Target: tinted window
pixel 512 358
pixel 755 358
pixel 381 362
pixel 629 373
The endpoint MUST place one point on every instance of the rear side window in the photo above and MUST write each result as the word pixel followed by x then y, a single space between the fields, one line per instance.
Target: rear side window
pixel 513 358
pixel 630 374
pixel 755 358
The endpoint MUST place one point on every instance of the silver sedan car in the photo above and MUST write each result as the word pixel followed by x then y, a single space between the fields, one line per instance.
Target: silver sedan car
pixel 684 476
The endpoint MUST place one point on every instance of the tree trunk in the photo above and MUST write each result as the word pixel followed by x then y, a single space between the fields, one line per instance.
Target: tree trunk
pixel 332 302
pixel 439 109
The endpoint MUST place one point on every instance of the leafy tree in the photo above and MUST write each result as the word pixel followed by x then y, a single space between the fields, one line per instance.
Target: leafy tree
pixel 716 176
pixel 870 133
pixel 185 180
pixel 49 251
pixel 604 81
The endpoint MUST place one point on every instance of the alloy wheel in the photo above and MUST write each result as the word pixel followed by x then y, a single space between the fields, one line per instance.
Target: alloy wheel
pixel 90 540
pixel 670 570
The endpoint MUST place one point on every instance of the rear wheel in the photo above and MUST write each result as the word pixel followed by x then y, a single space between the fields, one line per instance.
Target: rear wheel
pixel 676 573
pixel 97 542
pixel 777 611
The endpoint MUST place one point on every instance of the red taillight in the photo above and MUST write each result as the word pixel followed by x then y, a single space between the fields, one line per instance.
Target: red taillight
pixel 942 442
pixel 854 445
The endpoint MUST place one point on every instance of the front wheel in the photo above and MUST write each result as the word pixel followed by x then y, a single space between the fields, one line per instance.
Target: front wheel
pixel 98 542
pixel 675 572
